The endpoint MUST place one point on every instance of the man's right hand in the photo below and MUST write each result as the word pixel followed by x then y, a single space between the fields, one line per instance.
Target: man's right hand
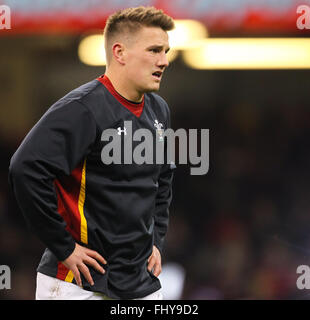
pixel 78 261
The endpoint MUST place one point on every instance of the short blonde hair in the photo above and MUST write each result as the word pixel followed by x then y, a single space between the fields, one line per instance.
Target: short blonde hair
pixel 130 20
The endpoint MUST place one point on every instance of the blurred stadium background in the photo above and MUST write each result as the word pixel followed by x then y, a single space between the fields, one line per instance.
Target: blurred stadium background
pixel 239 68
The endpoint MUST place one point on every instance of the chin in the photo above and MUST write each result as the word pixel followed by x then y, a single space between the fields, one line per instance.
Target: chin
pixel 154 87
pixel 149 87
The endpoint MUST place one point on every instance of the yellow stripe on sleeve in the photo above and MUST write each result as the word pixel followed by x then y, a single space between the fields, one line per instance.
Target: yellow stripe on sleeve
pixel 69 277
pixel 84 236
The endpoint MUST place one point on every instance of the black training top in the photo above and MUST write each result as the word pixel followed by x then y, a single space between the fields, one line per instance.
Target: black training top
pixel 68 194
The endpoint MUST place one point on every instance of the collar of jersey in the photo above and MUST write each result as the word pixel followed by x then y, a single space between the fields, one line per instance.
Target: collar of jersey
pixel 135 108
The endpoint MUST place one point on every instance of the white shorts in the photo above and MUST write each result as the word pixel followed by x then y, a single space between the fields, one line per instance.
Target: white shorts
pixel 49 288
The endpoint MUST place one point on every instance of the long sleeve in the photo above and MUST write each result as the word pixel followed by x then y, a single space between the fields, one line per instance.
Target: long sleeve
pixel 163 200
pixel 54 146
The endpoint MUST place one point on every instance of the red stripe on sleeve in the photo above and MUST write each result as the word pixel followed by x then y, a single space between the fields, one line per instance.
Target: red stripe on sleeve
pixel 67 191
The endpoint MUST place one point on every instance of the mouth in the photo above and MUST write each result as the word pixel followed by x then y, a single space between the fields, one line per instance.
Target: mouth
pixel 157 75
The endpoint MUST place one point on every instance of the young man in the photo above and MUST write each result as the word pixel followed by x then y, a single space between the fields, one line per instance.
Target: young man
pixel 103 225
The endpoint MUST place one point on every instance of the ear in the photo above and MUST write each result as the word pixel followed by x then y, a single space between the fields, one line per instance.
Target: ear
pixel 118 50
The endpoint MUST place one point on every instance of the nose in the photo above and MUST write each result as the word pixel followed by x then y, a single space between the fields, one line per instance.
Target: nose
pixel 163 61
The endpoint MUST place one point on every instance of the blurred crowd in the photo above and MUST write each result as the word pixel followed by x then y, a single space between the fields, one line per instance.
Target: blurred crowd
pixel 241 231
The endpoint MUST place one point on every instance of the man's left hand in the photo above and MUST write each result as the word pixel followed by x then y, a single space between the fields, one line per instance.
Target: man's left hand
pixel 154 262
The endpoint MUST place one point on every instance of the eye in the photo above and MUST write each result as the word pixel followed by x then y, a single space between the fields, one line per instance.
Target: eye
pixel 155 50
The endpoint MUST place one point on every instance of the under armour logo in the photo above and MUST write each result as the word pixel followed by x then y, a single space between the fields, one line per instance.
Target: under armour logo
pixel 119 131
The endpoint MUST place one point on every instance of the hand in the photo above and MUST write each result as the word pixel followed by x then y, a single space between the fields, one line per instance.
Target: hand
pixel 78 259
pixel 154 261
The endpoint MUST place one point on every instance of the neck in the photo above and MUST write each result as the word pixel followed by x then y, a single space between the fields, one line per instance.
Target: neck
pixel 123 85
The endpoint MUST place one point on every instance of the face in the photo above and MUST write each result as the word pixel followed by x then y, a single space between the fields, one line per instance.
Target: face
pixel 145 59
